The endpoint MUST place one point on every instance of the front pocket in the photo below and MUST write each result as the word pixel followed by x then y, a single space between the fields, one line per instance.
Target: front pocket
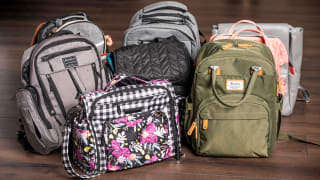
pixel 65 87
pixel 136 139
pixel 241 131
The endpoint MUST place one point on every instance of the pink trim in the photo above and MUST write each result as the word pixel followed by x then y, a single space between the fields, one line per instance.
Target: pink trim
pixel 212 37
pixel 135 78
pixel 138 79
pixel 231 30
pixel 112 84
pixel 152 81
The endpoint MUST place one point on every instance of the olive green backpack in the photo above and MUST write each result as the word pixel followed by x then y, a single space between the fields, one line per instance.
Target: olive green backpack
pixel 234 106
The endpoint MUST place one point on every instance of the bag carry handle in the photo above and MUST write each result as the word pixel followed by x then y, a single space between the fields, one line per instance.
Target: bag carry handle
pixel 165 5
pixel 33 41
pixel 261 33
pixel 247 93
pixel 231 30
pixel 66 159
pixel 121 76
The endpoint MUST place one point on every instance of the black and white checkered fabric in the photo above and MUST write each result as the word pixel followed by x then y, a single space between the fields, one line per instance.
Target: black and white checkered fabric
pixel 101 107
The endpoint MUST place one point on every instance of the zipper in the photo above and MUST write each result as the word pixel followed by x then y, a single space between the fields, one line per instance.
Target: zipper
pixel 45 94
pixel 156 20
pixel 69 51
pixel 167 8
pixel 128 101
pixel 54 89
pixel 35 98
pixel 175 129
pixel 176 22
pixel 76 85
pixel 165 14
pixel 154 27
pixel 95 74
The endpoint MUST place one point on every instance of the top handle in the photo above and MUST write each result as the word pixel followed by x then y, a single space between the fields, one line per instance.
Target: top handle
pixel 121 77
pixel 252 81
pixel 261 33
pixel 165 5
pixel 231 30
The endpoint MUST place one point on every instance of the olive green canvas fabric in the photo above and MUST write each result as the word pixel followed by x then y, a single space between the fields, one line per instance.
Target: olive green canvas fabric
pixel 234 107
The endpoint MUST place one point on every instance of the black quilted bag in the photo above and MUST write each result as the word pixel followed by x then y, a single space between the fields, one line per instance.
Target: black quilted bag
pixel 163 58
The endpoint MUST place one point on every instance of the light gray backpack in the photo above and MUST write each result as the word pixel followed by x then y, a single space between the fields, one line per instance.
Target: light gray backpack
pixel 77 23
pixel 55 73
pixel 292 38
pixel 162 20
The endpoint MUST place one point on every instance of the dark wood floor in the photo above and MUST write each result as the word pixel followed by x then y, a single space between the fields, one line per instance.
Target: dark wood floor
pixel 18 19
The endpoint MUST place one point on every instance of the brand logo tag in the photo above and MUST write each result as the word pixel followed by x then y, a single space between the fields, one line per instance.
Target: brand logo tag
pixel 235 85
pixel 70 61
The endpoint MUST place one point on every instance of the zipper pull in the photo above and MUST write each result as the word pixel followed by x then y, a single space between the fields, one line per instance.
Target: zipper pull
pixel 245 45
pixel 50 82
pixel 205 124
pixel 226 46
pixel 193 128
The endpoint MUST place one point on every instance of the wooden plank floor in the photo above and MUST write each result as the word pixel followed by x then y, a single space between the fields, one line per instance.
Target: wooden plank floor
pixel 291 160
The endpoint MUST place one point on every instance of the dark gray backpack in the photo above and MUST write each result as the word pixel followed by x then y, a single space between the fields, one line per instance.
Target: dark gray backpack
pixel 55 73
pixel 161 20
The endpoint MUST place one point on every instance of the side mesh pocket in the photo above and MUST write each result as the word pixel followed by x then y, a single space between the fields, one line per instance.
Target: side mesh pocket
pixel 40 132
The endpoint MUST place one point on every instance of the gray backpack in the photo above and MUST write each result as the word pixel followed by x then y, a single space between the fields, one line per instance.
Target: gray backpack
pixel 161 20
pixel 292 38
pixel 77 23
pixel 55 73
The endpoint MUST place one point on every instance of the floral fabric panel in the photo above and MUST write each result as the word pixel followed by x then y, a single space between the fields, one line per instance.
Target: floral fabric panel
pixel 136 140
pixel 84 149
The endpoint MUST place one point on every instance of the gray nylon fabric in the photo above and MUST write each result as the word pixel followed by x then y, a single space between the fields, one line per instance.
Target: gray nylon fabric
pixel 73 65
pixel 77 23
pixel 91 32
pixel 50 138
pixel 165 21
pixel 292 38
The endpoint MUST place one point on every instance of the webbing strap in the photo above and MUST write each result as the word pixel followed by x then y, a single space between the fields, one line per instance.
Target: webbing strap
pixel 290 137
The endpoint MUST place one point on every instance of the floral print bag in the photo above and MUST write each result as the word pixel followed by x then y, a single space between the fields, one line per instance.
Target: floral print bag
pixel 122 127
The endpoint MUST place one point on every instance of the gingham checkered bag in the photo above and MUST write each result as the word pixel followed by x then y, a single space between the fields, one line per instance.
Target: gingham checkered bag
pixel 122 127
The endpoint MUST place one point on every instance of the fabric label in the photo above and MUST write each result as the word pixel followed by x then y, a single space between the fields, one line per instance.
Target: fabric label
pixel 235 85
pixel 70 61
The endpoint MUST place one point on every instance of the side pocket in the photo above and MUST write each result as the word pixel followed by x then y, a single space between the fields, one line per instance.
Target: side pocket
pixel 187 118
pixel 40 132
pixel 84 152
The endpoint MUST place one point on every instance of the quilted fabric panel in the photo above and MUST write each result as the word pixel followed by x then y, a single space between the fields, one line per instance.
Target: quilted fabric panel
pixel 161 59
